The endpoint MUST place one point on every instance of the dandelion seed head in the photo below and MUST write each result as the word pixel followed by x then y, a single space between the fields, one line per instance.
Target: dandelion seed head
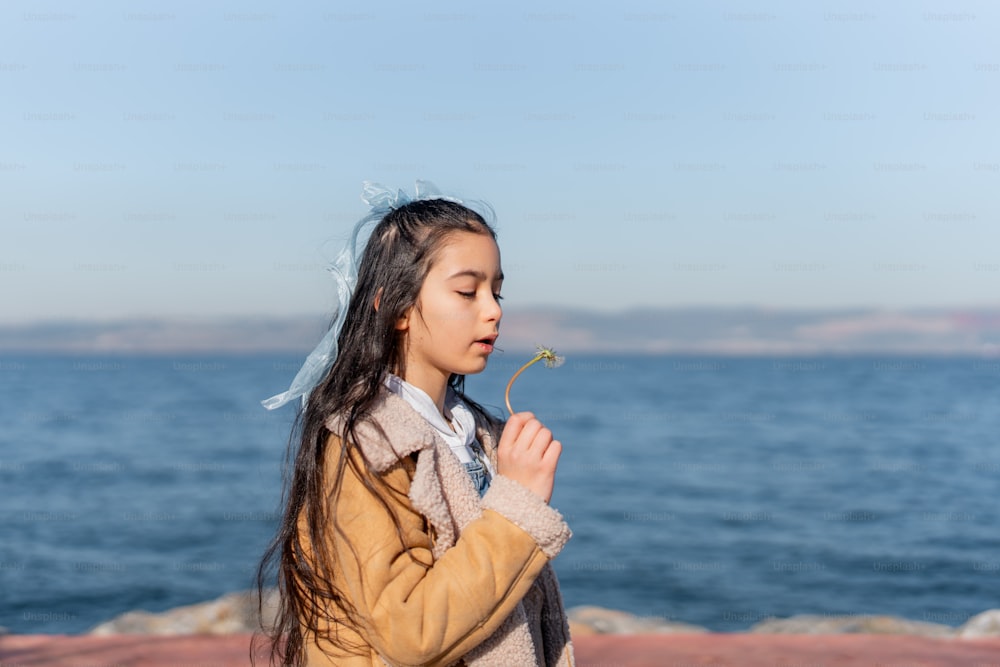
pixel 547 354
pixel 552 360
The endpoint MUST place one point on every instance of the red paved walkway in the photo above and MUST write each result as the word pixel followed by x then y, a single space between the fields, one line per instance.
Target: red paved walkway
pixel 706 650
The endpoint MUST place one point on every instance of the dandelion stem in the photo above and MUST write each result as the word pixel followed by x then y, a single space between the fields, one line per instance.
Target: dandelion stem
pixel 510 383
pixel 551 361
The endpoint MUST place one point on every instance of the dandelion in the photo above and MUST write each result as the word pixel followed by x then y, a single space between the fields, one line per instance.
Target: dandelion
pixel 547 354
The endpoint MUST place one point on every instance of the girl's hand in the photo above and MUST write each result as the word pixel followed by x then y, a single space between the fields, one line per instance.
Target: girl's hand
pixel 528 455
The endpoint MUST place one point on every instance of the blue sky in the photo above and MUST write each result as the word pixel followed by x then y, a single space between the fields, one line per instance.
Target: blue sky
pixel 203 159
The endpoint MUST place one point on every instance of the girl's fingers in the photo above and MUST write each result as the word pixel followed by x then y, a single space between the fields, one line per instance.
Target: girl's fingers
pixel 552 453
pixel 541 439
pixel 512 430
pixel 528 455
pixel 529 435
pixel 525 438
pixel 521 431
pixel 521 417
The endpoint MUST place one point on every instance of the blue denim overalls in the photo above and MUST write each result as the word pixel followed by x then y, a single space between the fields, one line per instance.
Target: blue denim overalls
pixel 477 470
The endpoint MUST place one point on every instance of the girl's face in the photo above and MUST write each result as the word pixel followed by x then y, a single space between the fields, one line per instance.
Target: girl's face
pixel 456 319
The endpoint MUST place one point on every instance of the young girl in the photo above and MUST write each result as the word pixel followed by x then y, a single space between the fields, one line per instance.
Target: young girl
pixel 417 529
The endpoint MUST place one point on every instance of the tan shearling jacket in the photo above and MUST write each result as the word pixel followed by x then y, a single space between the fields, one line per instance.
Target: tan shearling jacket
pixel 476 589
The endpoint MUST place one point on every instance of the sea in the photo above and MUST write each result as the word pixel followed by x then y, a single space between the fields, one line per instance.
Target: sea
pixel 717 491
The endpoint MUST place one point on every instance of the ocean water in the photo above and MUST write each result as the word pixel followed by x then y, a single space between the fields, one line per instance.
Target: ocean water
pixel 716 491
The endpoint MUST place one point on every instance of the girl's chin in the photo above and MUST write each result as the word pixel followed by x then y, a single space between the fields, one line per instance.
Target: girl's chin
pixel 474 368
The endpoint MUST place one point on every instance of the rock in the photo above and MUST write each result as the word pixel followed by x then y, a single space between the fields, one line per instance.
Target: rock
pixel 236 613
pixel 986 624
pixel 587 620
pixel 580 629
pixel 837 625
pixel 229 614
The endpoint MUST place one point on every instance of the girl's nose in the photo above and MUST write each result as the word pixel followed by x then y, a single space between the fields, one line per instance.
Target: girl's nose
pixel 493 311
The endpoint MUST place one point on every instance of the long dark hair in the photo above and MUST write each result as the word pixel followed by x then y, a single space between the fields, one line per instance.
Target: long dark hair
pixel 398 255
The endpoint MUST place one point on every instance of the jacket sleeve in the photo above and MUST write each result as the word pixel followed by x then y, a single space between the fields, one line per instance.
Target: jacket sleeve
pixel 418 611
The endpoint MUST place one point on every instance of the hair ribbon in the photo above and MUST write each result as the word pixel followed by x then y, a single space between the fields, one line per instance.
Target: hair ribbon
pixel 344 269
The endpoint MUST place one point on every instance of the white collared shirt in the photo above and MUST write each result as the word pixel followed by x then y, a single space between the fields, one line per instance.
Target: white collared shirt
pixel 459 432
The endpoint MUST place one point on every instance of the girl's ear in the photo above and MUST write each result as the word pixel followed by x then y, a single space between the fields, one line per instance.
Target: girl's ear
pixel 403 323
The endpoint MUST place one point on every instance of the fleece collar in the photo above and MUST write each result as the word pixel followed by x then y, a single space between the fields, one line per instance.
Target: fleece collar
pixel 395 430
pixel 441 489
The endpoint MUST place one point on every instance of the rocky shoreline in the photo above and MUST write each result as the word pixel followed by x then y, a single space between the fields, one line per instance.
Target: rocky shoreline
pixel 236 613
pixel 220 633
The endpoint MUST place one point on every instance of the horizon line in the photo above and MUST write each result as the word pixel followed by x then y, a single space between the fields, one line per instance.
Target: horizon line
pixel 547 307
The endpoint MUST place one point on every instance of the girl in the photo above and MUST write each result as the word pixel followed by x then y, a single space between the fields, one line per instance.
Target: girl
pixel 417 529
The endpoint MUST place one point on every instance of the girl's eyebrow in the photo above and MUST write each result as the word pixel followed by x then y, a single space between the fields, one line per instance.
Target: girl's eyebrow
pixel 474 273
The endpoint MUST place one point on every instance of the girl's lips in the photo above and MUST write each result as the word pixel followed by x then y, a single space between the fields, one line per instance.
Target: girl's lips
pixel 486 344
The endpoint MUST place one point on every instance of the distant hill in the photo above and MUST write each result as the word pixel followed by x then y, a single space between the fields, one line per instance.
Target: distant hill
pixel 692 330
pixel 760 331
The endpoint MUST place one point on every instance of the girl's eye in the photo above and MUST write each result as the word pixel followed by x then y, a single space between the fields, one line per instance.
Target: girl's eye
pixel 472 295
